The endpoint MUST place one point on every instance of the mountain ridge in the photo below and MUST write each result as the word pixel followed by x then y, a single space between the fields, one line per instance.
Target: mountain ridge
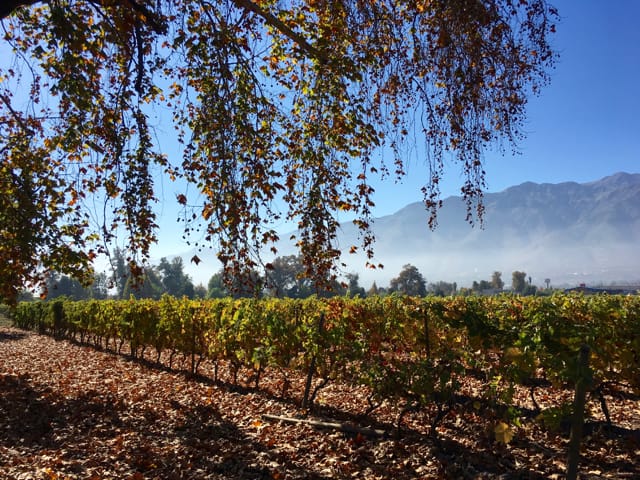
pixel 575 233
pixel 569 232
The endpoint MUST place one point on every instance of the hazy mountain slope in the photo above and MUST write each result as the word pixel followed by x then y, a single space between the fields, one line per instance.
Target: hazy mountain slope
pixel 568 232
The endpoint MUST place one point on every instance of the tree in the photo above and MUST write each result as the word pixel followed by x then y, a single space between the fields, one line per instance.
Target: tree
pixel 250 284
pixel 174 280
pixel 304 95
pixel 482 286
pixel 285 278
pixel 199 291
pixel 518 282
pixel 64 286
pixel 409 282
pixel 243 284
pixel 216 287
pixel 99 289
pixel 443 289
pixel 120 272
pixel 496 280
pixel 353 286
pixel 149 285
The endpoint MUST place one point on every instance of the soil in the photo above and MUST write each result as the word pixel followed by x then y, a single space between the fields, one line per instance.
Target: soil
pixel 71 411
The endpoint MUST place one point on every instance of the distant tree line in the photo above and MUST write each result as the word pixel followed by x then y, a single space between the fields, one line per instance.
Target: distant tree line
pixel 284 277
pixel 166 277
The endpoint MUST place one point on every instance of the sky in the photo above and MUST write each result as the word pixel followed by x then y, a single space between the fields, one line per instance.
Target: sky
pixel 584 126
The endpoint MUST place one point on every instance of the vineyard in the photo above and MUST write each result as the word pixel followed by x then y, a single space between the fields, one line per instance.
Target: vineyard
pixel 409 349
pixel 414 353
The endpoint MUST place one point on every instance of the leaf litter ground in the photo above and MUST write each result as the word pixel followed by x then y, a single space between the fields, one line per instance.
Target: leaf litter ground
pixel 69 411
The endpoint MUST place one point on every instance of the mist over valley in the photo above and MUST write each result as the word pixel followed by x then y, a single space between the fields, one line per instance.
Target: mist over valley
pixel 570 233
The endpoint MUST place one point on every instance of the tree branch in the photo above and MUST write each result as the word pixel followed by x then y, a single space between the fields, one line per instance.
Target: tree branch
pixel 343 427
pixel 7 7
pixel 151 18
pixel 15 115
pixel 282 27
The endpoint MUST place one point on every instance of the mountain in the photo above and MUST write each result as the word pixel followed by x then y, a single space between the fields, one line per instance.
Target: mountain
pixel 570 233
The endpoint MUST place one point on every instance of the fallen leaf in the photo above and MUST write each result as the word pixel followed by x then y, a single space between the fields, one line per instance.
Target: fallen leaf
pixel 503 433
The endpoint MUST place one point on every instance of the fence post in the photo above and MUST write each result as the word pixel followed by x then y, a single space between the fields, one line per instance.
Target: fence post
pixel 583 380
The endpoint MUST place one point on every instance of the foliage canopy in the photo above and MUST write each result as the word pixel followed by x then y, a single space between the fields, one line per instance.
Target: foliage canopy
pixel 285 110
pixel 409 282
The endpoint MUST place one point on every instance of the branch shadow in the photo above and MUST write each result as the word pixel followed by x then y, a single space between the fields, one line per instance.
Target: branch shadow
pixel 203 444
pixel 11 335
pixel 96 433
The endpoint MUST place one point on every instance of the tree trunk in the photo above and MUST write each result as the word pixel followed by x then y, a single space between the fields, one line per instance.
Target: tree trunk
pixel 312 367
pixel 577 423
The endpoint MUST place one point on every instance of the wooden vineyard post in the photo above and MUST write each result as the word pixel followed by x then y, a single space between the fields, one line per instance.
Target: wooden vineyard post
pixel 312 367
pixel 577 423
pixel 193 347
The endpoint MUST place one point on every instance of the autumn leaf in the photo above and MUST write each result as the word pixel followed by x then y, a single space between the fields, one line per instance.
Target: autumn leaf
pixel 503 433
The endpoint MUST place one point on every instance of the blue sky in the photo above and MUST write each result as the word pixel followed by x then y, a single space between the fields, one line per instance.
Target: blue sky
pixel 584 126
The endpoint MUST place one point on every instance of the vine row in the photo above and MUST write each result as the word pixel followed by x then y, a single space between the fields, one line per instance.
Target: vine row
pixel 414 350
